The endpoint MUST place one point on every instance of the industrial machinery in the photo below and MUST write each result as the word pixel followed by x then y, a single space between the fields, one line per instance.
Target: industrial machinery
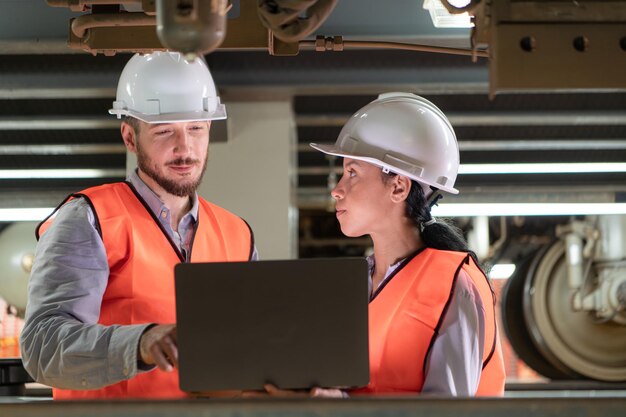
pixel 564 309
pixel 531 45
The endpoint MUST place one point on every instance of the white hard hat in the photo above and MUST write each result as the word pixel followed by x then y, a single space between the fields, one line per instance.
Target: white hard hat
pixel 163 87
pixel 405 134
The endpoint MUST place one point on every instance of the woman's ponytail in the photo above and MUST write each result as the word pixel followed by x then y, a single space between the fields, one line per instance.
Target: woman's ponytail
pixel 436 233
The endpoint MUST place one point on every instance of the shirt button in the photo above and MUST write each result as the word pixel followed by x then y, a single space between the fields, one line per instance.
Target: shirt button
pixel 163 214
pixel 125 371
pixel 83 382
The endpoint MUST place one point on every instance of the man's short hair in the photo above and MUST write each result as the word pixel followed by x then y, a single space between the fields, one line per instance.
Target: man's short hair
pixel 133 122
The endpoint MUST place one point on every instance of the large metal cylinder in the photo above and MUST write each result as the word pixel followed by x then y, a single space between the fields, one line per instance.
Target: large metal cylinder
pixel 191 26
pixel 17 251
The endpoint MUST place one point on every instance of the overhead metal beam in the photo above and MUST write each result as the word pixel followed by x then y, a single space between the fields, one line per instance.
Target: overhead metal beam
pixel 58 123
pixel 479 145
pixel 505 169
pixel 595 118
pixel 319 198
pixel 71 173
pixel 590 118
pixel 90 149
pixel 542 145
pixel 246 74
pixel 252 92
pixel 24 93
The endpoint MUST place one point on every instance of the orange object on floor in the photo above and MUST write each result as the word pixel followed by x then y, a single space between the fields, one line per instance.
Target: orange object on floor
pixel 10 328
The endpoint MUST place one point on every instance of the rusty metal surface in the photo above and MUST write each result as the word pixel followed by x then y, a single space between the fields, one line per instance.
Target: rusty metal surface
pixel 549 56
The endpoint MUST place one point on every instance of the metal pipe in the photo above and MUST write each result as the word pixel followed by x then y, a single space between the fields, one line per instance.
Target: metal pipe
pixel 574 257
pixel 394 45
pixel 85 22
pixel 92 2
pixel 74 4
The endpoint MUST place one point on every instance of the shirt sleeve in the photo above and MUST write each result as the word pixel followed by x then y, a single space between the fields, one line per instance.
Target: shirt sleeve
pixel 255 254
pixel 454 364
pixel 61 343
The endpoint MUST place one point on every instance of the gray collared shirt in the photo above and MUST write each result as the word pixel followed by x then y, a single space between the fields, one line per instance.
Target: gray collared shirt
pixel 62 343
pixel 454 364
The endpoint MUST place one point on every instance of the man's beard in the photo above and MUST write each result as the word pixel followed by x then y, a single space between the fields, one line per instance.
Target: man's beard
pixel 171 186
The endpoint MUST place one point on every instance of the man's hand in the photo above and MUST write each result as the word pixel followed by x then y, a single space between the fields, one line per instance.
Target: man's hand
pixel 157 346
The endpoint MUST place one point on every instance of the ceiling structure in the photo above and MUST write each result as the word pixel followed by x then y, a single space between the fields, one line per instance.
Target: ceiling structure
pixel 54 102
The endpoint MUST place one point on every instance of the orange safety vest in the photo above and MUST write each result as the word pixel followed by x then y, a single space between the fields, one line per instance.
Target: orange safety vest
pixel 141 259
pixel 405 317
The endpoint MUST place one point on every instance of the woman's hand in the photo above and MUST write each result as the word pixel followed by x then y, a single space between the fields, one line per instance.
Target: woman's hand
pixel 273 391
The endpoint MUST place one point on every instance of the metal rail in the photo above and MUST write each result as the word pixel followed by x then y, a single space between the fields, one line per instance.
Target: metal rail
pixel 363 406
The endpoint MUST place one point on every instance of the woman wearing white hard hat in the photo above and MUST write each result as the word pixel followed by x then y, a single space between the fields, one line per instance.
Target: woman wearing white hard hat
pixel 432 319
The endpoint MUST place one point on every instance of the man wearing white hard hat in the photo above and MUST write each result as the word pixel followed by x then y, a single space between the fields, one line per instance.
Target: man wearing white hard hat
pixel 101 312
pixel 431 313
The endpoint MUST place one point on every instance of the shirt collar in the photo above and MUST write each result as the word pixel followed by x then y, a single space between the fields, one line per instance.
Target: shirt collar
pixel 371 263
pixel 153 200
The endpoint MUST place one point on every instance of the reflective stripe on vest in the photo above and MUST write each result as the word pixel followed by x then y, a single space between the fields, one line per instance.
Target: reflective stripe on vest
pixel 141 259
pixel 405 316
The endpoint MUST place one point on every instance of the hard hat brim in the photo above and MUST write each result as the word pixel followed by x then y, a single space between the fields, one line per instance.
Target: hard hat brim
pixel 333 150
pixel 219 114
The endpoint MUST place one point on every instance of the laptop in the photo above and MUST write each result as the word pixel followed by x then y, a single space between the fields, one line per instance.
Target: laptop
pixel 297 324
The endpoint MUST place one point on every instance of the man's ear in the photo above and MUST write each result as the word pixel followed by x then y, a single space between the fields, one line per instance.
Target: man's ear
pixel 401 186
pixel 129 137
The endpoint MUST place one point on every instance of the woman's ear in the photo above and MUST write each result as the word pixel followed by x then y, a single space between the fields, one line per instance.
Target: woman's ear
pixel 129 137
pixel 401 186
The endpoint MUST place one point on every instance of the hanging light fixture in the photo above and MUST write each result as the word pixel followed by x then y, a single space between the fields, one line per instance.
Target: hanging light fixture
pixel 442 18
